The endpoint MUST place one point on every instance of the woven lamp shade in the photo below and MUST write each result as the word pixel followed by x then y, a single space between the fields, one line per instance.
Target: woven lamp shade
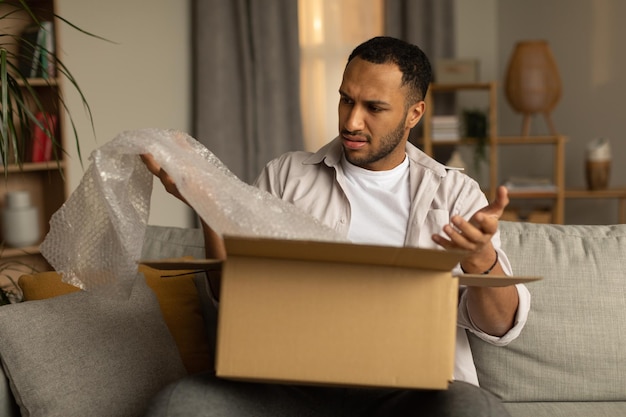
pixel 533 83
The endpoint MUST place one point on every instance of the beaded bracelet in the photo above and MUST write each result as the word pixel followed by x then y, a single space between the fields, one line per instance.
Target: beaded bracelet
pixel 488 270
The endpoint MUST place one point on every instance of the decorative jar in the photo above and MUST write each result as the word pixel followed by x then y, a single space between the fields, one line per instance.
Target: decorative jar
pixel 20 220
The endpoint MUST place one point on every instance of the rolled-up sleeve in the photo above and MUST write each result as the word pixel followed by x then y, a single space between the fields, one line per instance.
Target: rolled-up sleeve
pixel 521 316
pixel 523 307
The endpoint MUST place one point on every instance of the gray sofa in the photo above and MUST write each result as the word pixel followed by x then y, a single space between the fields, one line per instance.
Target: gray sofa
pixel 569 361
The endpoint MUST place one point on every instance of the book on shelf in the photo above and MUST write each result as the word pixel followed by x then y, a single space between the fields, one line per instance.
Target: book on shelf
pixel 36 54
pixel 445 136
pixel 48 61
pixel 445 127
pixel 530 184
pixel 41 143
pixel 28 46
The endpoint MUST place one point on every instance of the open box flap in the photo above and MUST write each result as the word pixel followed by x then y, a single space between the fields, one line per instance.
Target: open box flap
pixel 480 280
pixel 177 264
pixel 307 250
pixel 472 280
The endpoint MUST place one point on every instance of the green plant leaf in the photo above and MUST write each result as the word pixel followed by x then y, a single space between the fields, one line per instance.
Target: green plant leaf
pixel 21 100
pixel 4 126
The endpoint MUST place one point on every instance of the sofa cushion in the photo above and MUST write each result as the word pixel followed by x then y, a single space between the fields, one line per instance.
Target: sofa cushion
pixel 566 409
pixel 178 298
pixel 182 310
pixel 572 348
pixel 44 285
pixel 172 242
pixel 84 354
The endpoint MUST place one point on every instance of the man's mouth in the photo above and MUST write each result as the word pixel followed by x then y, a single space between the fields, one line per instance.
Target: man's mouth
pixel 352 141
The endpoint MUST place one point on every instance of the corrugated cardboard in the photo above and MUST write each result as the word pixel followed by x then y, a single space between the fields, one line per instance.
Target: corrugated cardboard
pixel 337 313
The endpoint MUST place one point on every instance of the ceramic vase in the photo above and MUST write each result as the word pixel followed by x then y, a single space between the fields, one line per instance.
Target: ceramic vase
pixel 598 164
pixel 533 82
pixel 20 220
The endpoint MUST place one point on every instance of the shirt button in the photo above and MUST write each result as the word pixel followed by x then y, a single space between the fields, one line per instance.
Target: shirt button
pixel 342 221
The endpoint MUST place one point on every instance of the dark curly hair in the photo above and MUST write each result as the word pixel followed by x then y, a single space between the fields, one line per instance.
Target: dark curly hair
pixel 410 59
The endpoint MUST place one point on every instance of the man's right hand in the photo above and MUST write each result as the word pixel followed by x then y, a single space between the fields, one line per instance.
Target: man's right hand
pixel 214 245
pixel 167 181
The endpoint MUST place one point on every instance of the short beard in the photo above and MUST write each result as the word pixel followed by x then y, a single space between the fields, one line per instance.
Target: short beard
pixel 388 144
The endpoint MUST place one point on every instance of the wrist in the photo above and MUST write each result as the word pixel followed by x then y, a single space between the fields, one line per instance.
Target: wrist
pixel 475 269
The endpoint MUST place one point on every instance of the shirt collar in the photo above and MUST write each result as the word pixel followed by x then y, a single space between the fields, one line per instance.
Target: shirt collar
pixel 332 152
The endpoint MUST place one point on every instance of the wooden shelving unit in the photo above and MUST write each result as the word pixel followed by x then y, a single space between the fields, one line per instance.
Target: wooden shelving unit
pixel 489 88
pixel 618 194
pixel 558 172
pixel 494 142
pixel 558 196
pixel 44 181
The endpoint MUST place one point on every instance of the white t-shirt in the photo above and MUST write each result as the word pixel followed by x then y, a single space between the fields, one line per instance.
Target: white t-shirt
pixel 379 204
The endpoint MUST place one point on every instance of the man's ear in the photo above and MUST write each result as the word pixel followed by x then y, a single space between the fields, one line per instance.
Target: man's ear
pixel 415 113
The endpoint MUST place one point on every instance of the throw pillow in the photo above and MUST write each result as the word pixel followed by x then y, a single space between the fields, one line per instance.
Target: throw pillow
pixel 44 285
pixel 182 311
pixel 178 299
pixel 84 354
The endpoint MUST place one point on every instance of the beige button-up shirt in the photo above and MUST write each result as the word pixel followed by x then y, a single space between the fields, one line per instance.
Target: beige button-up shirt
pixel 315 182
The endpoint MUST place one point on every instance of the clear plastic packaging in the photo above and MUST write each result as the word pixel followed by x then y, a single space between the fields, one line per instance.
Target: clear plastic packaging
pixel 96 237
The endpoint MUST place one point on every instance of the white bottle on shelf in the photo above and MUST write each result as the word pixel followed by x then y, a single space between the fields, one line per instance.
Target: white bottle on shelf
pixel 20 220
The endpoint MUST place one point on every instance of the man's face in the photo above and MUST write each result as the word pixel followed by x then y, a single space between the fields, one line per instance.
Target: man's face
pixel 374 121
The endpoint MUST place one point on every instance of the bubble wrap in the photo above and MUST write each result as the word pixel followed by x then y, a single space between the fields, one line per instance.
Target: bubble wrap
pixel 96 237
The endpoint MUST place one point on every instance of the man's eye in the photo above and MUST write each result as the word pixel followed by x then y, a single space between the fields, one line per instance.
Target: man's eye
pixel 346 100
pixel 375 109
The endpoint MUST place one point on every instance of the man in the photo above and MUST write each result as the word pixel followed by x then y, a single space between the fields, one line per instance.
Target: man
pixel 373 186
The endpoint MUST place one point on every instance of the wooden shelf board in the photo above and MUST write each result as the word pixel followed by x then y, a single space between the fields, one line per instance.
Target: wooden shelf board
pixel 530 140
pixel 585 193
pixel 34 166
pixel 39 82
pixel 462 86
pixel 533 194
pixel 16 252
pixel 447 142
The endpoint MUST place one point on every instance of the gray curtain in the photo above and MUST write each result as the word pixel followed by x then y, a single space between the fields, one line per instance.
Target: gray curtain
pixel 246 106
pixel 426 23
pixel 430 25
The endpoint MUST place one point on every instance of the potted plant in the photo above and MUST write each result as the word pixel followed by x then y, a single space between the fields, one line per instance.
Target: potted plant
pixel 20 98
pixel 475 122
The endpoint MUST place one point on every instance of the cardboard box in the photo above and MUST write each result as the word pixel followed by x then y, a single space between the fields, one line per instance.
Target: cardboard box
pixel 339 314
pixel 456 71
pixel 303 312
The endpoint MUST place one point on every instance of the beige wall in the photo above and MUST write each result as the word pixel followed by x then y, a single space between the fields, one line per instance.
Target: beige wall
pixel 141 81
pixel 586 39
pixel 476 38
pixel 144 80
pixel 584 36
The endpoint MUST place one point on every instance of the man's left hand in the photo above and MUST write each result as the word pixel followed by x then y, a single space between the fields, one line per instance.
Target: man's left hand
pixel 491 309
pixel 474 235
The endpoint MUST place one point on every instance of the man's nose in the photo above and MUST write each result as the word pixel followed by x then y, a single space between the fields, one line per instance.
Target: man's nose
pixel 354 119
